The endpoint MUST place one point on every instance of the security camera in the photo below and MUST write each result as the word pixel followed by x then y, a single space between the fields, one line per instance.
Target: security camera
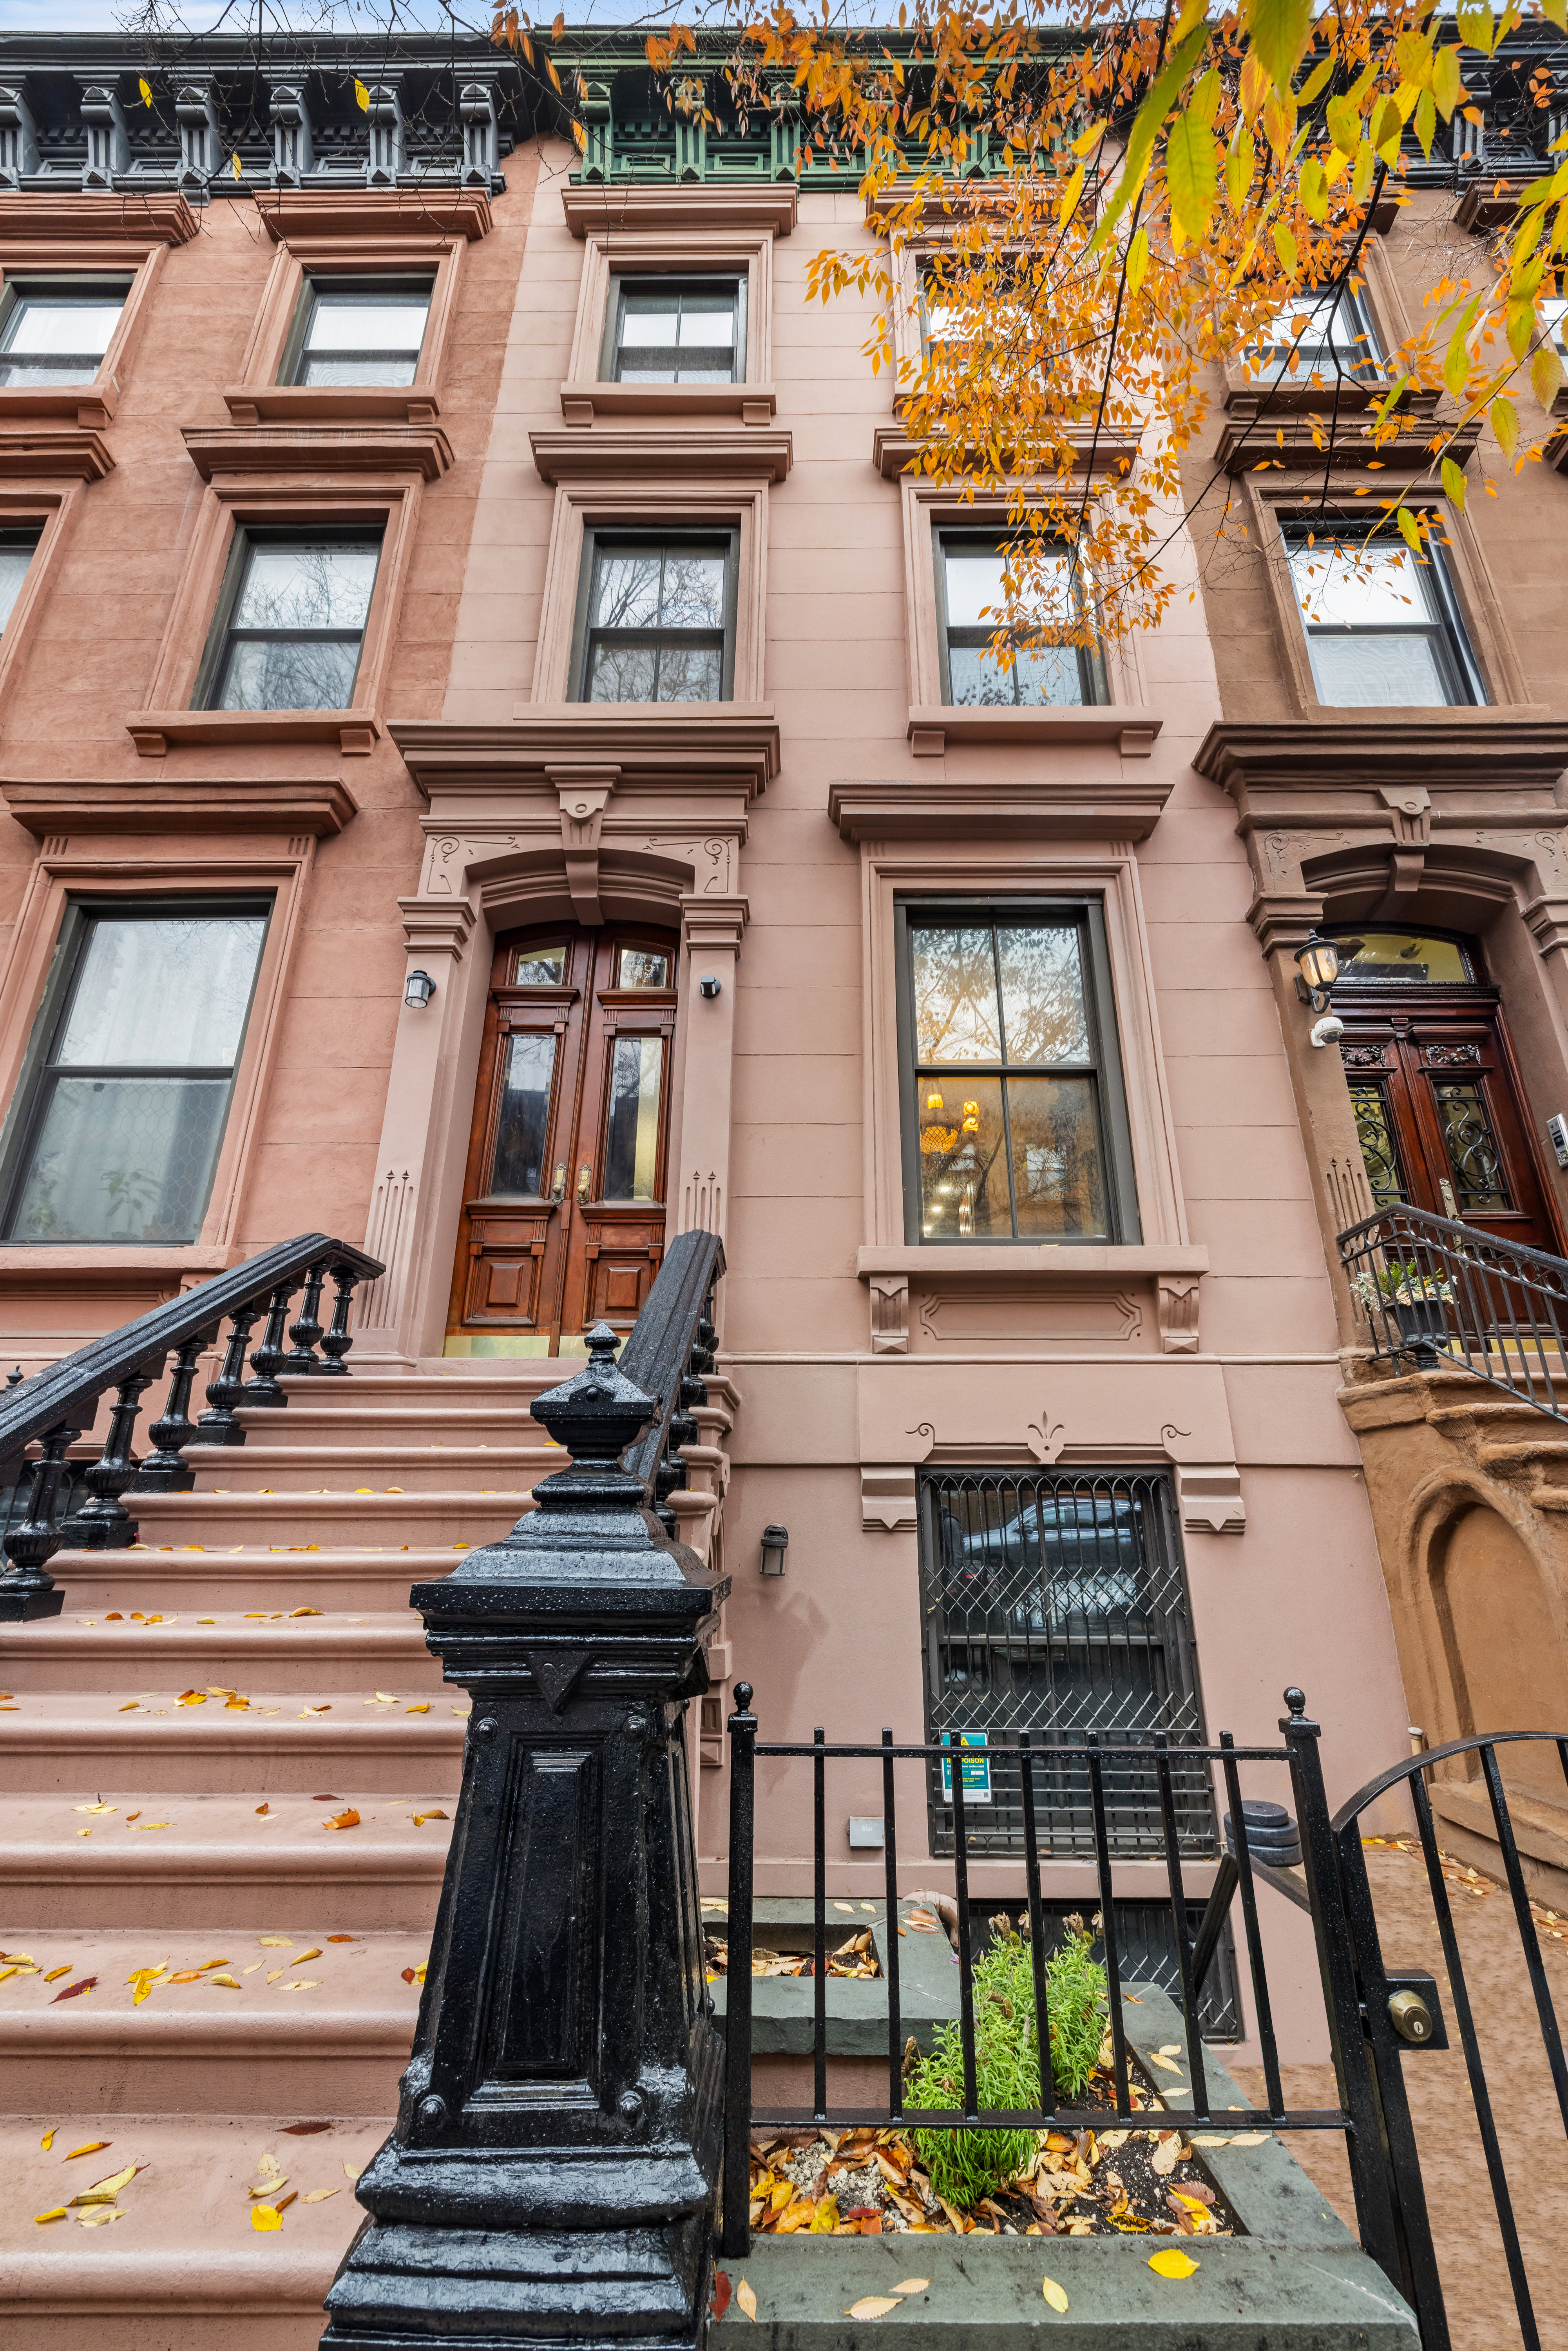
pixel 1328 1030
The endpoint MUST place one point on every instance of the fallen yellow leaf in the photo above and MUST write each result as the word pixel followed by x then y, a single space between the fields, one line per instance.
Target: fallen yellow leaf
pixel 113 2186
pixel 313 1953
pixel 192 1698
pixel 59 2213
pixel 1159 2058
pixel 306 1611
pixel 319 2195
pixel 418 1710
pixel 419 1819
pixel 1172 2263
pixel 48 2139
pixel 275 1942
pixel 1251 2138
pixel 1054 2294
pixel 349 1820
pixel 55 1974
pixel 912 2285
pixel 230 1983
pixel 352 2170
pixel 269 2186
pixel 147 1824
pixel 872 2306
pixel 90 2148
pixel 265 2216
pixel 747 2298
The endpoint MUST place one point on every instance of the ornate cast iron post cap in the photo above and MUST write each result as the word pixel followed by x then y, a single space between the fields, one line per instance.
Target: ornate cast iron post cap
pixel 597 1415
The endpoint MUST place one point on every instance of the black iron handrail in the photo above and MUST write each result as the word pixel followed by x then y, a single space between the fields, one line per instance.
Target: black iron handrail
pixel 1437 1294
pixel 56 1404
pixel 667 1355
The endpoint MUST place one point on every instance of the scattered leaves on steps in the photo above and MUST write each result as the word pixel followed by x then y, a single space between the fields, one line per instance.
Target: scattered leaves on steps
pixel 345 1820
pixel 74 1991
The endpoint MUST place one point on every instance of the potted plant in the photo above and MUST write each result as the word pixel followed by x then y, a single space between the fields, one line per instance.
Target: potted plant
pixel 1416 1295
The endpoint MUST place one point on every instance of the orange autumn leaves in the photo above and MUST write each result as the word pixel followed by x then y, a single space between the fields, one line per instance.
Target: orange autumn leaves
pixel 1088 211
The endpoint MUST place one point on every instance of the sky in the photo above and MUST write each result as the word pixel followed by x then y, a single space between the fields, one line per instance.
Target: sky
pixel 208 15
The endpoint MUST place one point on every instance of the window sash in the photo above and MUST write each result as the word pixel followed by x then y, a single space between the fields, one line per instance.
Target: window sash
pixel 1346 343
pixel 962 636
pixel 592 639
pixel 228 636
pixel 35 296
pixel 675 362
pixel 1442 628
pixel 300 354
pixel 18 548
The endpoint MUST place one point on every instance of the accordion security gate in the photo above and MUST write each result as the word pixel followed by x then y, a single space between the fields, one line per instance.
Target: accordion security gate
pixel 1055 1603
pixel 1366 2004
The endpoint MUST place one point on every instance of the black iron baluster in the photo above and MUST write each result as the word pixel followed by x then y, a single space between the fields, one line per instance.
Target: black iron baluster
pixel 1261 2001
pixel 736 2240
pixel 166 1471
pixel 1108 1928
pixel 28 1589
pixel 1181 1928
pixel 103 1523
pixel 668 1478
pixel 337 1343
pixel 961 1892
pixel 890 1883
pixel 308 1330
pixel 820 1963
pixel 1552 2038
pixel 266 1361
pixel 1036 1925
pixel 220 1424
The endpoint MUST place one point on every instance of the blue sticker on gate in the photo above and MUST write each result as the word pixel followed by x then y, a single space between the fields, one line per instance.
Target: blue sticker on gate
pixel 975 1770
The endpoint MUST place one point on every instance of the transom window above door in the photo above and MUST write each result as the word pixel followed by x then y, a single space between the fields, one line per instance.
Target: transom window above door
pixel 676 330
pixel 358 331
pixel 1382 627
pixel 1015 1119
pixel 972 605
pixel 56 330
pixel 656 619
pixel 290 624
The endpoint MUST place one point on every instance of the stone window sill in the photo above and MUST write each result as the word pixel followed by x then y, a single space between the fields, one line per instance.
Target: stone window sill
pixel 1005 1260
pixel 90 406
pixel 334 450
pixel 934 727
pixel 319 806
pixel 342 404
pixel 752 403
pixel 156 732
pixel 657 452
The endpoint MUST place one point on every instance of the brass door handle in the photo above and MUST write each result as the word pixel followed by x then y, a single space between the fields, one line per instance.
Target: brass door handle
pixel 557 1189
pixel 584 1182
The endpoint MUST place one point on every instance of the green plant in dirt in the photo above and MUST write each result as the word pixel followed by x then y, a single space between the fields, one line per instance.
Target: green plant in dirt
pixel 1402 1283
pixel 964 2165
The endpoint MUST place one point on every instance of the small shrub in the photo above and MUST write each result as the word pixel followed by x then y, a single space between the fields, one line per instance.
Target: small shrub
pixel 964 2165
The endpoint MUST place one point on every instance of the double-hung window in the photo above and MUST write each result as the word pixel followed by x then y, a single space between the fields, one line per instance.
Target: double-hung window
pixel 17 551
pixel 119 1119
pixel 291 621
pixel 358 331
pixel 656 619
pixel 56 330
pixel 972 605
pixel 1330 338
pixel 1015 1120
pixel 1382 627
pixel 676 330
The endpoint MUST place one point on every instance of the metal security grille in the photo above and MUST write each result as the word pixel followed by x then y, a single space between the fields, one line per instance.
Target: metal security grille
pixel 1056 1603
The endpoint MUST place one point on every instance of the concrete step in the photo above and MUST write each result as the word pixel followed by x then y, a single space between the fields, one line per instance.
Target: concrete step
pixel 271 1576
pixel 260 1514
pixel 183 2270
pixel 328 1652
pixel 330 2033
pixel 366 1469
pixel 253 1861
pixel 476 1384
pixel 87 1740
pixel 351 1420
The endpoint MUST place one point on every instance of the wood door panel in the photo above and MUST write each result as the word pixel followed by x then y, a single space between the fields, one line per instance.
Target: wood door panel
pixel 507 1258
pixel 620 1261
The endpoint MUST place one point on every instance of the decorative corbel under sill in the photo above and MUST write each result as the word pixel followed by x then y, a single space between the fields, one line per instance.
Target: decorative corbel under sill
pixel 88 406
pixel 39 453
pixel 699 403
pixel 935 728
pixel 616 452
pixel 1106 1285
pixel 343 405
pixel 156 732
pixel 318 449
pixel 49 809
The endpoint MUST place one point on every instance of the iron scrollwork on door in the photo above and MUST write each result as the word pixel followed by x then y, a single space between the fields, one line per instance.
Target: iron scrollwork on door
pixel 1379 1144
pixel 1471 1143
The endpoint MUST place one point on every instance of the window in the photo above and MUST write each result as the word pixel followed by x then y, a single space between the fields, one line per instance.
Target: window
pixel 951 320
pixel 1329 338
pixel 358 331
pixel 56 330
pixel 1382 627
pixel 658 622
pixel 16 551
pixel 1015 1120
pixel 971 600
pixel 1373 959
pixel 138 1039
pixel 669 330
pixel 642 967
pixel 291 623
pixel 1554 317
pixel 1055 1602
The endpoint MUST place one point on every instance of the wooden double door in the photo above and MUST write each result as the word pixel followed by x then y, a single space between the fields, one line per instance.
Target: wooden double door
pixel 563 1211
pixel 1440 1110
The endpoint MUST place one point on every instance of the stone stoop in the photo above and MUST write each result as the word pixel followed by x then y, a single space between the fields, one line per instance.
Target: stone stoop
pixel 335 1504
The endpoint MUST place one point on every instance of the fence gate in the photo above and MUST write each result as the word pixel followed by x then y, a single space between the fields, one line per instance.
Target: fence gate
pixel 1376 2014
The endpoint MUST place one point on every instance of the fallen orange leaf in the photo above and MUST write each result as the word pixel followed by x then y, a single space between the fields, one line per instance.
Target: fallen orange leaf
pixel 55 1974
pixel 419 1819
pixel 349 1820
pixel 90 2148
pixel 343 1939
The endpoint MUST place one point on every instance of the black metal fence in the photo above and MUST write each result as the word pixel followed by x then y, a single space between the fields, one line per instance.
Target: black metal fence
pixel 1371 2014
pixel 1436 1292
pixel 1054 1601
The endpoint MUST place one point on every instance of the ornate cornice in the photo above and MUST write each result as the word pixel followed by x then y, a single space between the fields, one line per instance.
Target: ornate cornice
pixel 35 453
pixel 617 453
pixel 1042 806
pixel 1487 752
pixel 136 217
pixel 691 203
pixel 231 805
pixel 318 449
pixel 720 747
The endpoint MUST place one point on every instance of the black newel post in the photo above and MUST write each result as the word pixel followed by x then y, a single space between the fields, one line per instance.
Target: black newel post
pixel 551 2176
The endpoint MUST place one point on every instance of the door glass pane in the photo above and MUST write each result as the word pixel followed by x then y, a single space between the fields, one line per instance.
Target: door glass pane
pixel 122 1159
pixel 640 967
pixel 632 1144
pixel 1470 1142
pixel 1057 1175
pixel 1361 672
pixel 135 1002
pixel 1404 955
pixel 13 562
pixel 1042 992
pixel 539 967
pixel 963 1165
pixel 1379 1144
pixel 955 1017
pixel 522 1123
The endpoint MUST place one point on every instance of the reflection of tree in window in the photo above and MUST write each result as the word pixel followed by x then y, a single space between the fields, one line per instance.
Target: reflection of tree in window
pixel 298 623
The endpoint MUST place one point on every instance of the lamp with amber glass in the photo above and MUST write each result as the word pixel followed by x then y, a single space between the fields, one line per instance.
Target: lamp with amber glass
pixel 1318 968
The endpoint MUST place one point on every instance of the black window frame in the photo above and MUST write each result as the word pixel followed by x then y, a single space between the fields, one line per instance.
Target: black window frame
pixel 995 1662
pixel 223 635
pixel 1457 661
pixel 30 1099
pixel 73 286
pixel 1103 1070
pixel 12 539
pixel 1093 687
pixel 319 282
pixel 611 355
pixel 597 542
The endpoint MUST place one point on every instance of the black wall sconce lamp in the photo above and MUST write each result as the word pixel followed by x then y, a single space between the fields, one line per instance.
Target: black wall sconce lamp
pixel 417 990
pixel 775 1543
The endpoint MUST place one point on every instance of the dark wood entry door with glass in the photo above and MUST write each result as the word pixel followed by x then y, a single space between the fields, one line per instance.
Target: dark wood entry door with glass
pixel 1439 1105
pixel 563 1212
